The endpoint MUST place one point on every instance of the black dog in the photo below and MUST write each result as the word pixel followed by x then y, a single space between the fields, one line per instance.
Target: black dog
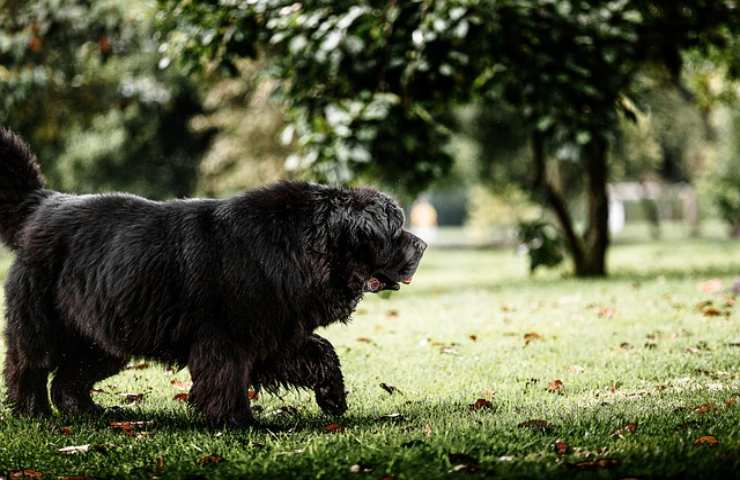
pixel 231 288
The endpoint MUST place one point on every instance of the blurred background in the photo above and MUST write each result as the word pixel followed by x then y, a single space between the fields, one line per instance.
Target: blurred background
pixel 555 127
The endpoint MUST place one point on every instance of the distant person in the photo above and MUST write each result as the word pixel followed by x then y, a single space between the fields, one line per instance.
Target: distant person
pixel 424 219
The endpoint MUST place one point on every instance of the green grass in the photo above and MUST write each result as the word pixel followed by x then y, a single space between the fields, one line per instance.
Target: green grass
pixel 630 349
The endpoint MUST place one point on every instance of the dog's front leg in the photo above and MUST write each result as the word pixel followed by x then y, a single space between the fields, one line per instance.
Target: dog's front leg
pixel 221 373
pixel 315 365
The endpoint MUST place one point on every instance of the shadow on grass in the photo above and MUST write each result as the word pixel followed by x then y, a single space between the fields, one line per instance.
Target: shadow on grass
pixel 484 443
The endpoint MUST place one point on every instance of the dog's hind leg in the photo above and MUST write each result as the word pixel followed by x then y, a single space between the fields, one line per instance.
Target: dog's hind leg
pixel 221 371
pixel 25 382
pixel 314 365
pixel 30 342
pixel 79 369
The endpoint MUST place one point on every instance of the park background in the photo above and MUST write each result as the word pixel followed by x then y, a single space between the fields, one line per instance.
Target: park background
pixel 575 314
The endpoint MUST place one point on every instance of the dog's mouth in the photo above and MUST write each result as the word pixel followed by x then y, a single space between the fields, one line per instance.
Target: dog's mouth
pixel 379 282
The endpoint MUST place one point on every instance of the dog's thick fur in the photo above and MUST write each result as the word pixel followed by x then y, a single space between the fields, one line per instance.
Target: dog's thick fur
pixel 234 288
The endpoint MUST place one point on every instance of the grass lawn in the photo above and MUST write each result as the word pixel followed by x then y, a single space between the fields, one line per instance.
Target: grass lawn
pixel 645 373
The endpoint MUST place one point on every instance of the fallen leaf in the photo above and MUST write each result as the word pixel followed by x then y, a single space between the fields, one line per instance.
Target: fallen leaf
pixel 732 401
pixel 561 448
pixel 360 468
pixel 72 450
pixel 210 459
pixel 627 428
pixel 365 340
pixel 77 449
pixel 625 346
pixel 577 369
pixel 710 440
pixel 479 404
pixel 710 286
pixel 536 424
pixel 392 313
pixel 462 462
pixel 26 473
pixel 138 366
pixel 473 337
pixel 182 385
pixel 606 312
pixel 181 397
pixel 389 388
pixel 129 426
pixel 705 408
pixel 286 410
pixel 95 391
pixel 66 430
pixel 556 386
pixel 253 394
pixel 711 312
pixel 531 336
pixel 597 464
pixel 332 428
pixel 132 397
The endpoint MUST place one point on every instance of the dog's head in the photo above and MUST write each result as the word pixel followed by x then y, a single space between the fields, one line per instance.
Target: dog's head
pixel 382 253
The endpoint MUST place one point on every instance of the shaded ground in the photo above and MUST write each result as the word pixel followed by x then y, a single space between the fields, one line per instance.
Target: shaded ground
pixel 647 370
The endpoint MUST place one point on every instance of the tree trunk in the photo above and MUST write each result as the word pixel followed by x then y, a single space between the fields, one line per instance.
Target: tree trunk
pixel 596 238
pixel 588 253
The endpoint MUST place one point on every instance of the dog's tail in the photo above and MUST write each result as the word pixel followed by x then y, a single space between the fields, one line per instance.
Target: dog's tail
pixel 21 186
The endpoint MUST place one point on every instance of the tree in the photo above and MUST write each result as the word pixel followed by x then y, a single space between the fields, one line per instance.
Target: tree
pixel 370 83
pixel 82 82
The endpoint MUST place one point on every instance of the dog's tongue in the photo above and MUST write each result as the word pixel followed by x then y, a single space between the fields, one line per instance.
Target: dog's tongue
pixel 373 285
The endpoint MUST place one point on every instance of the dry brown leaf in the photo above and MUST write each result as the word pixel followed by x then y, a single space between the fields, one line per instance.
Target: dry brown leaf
pixel 138 366
pixel 480 404
pixel 711 311
pixel 253 394
pixel 556 386
pixel 365 340
pixel 531 336
pixel 627 428
pixel 536 424
pixel 210 459
pixel 597 464
pixel 709 440
pixel 26 473
pixel 561 448
pixel 732 401
pixel 392 313
pixel 705 408
pixel 180 384
pixel 333 428
pixel 389 388
pixel 606 312
pixel 473 337
pixel 66 430
pixel 181 397
pixel 129 427
pixel 132 397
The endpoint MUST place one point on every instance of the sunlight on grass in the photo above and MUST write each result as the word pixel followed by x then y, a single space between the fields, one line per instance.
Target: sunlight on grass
pixel 632 349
